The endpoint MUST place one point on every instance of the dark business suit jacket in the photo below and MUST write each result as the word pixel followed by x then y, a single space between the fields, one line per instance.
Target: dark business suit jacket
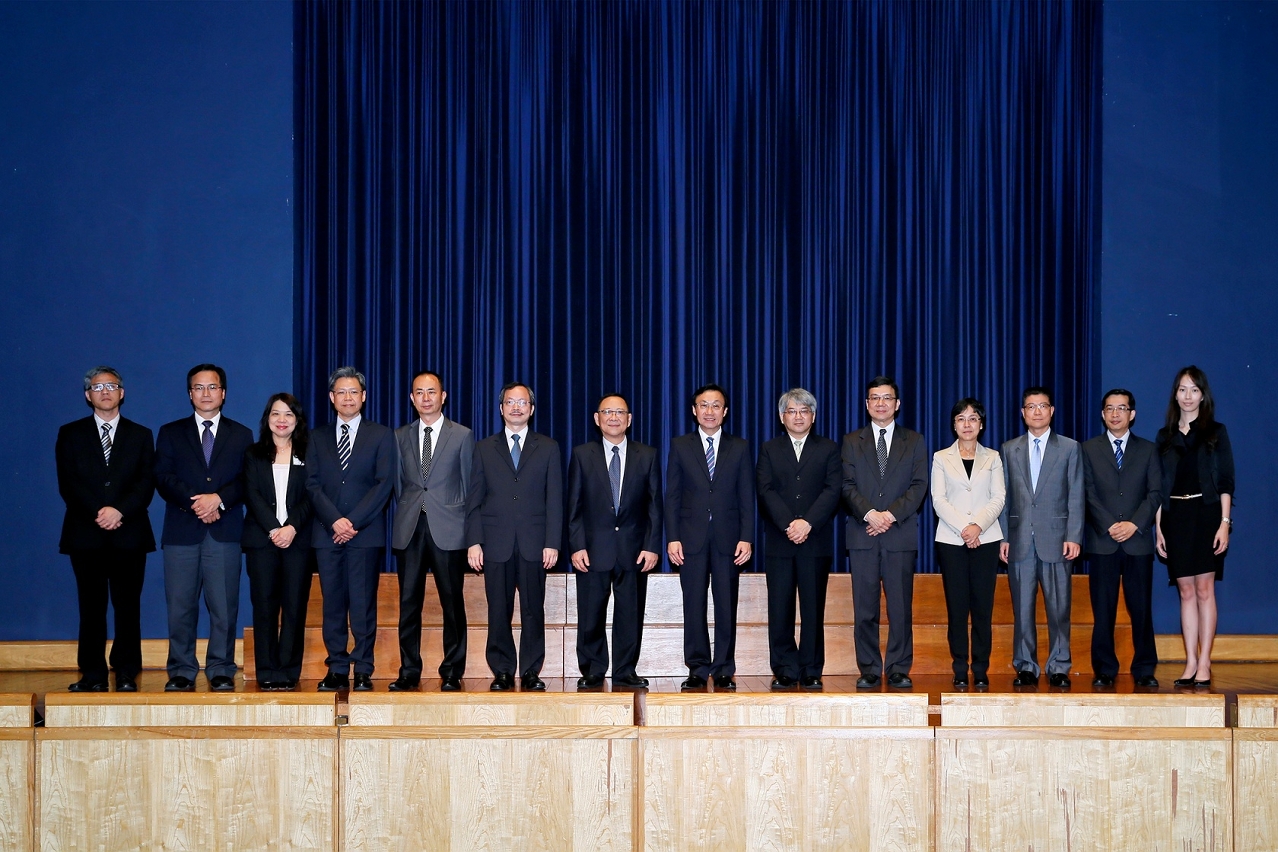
pixel 692 498
pixel 259 495
pixel 900 490
pixel 614 538
pixel 506 507
pixel 1131 494
pixel 807 488
pixel 359 493
pixel 180 474
pixel 87 483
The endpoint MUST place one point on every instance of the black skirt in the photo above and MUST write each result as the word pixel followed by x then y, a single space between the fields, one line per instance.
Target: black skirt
pixel 1189 529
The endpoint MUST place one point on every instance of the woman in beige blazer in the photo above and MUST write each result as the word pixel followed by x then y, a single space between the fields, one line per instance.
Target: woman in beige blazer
pixel 968 491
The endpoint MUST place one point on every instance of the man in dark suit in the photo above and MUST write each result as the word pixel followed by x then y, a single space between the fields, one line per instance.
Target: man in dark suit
pixel 514 520
pixel 1043 519
pixel 350 476
pixel 884 483
pixel 106 478
pixel 710 524
pixel 614 529
pixel 435 457
pixel 199 471
pixel 799 478
pixel 1122 477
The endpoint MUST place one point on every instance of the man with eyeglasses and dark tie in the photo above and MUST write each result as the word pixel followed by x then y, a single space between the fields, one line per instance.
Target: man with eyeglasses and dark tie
pixel 1123 478
pixel 710 526
pixel 614 529
pixel 350 474
pixel 199 471
pixel 514 520
pixel 885 479
pixel 106 478
pixel 1043 521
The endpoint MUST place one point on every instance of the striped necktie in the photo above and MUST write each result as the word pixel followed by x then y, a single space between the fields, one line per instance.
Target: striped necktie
pixel 344 446
pixel 106 441
pixel 710 457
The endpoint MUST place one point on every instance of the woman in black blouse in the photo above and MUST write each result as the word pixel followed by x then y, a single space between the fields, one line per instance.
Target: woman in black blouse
pixel 276 541
pixel 1194 521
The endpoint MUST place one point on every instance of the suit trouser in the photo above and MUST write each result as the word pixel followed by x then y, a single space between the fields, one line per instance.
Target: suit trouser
pixel 629 590
pixel 501 582
pixel 711 570
pixel 810 576
pixel 1024 578
pixel 894 571
pixel 969 575
pixel 348 577
pixel 449 568
pixel 280 588
pixel 211 567
pixel 1137 576
pixel 119 575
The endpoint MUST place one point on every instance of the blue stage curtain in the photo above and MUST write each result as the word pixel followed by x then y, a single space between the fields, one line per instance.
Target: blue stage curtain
pixel 646 196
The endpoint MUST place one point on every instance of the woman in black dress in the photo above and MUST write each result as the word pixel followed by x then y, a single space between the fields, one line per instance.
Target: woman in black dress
pixel 1194 521
pixel 277 540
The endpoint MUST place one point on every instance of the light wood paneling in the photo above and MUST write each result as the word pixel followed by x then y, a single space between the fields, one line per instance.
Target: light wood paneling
pixel 1238 648
pixel 778 788
pixel 190 709
pixel 783 710
pixel 186 788
pixel 501 788
pixel 61 654
pixel 1258 711
pixel 1255 787
pixel 17 710
pixel 491 709
pixel 1083 788
pixel 1082 710
pixel 17 782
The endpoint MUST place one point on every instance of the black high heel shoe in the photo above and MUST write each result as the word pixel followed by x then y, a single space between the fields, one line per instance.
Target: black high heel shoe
pixel 1184 682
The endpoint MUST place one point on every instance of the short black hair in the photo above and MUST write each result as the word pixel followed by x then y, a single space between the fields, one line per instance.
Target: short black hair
pixel 1131 397
pixel 706 389
pixel 963 405
pixel 881 381
pixel 1036 390
pixel 620 396
pixel 206 368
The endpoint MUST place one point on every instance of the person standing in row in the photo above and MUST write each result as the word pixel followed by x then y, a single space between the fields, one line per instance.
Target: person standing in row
pixel 350 476
pixel 514 519
pixel 799 479
pixel 106 478
pixel 277 542
pixel 884 483
pixel 1195 521
pixel 710 525
pixel 435 458
pixel 614 531
pixel 199 471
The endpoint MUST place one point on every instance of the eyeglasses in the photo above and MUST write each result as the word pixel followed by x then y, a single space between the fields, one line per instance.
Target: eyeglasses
pixel 880 398
pixel 99 387
pixel 1038 406
pixel 974 420
pixel 797 412
pixel 613 412
pixel 203 388
pixel 1110 409
pixel 348 393
pixel 709 406
pixel 515 403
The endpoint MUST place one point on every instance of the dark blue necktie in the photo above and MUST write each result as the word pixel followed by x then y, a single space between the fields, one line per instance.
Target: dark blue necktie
pixel 207 442
pixel 1118 453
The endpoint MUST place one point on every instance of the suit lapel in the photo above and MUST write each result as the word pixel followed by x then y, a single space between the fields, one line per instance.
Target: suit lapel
pixel 1051 452
pixel 220 439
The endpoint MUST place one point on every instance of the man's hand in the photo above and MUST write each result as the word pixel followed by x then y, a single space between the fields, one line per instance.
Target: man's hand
pixel 549 556
pixel 647 560
pixel 742 554
pixel 798 530
pixel 109 518
pixel 971 535
pixel 674 551
pixel 343 531
pixel 1072 549
pixel 1122 531
pixel 205 507
pixel 581 560
pixel 1004 550
pixel 475 557
pixel 282 537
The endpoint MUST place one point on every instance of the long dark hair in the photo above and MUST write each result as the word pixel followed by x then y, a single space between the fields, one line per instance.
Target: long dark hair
pixel 1206 419
pixel 264 448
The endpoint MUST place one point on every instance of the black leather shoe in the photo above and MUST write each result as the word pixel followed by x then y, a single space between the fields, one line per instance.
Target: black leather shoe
pixel 1101 680
pixel 693 682
pixel 812 682
pixel 590 682
pixel 287 686
pixel 363 682
pixel 1147 682
pixel 867 681
pixel 86 685
pixel 981 682
pixel 722 681
pixel 1060 680
pixel 403 684
pixel 532 683
pixel 222 683
pixel 1183 682
pixel 450 684
pixel 124 683
pixel 179 684
pixel 783 682
pixel 333 681
pixel 899 680
pixel 1025 678
pixel 632 681
pixel 960 681
pixel 502 683
pixel 269 685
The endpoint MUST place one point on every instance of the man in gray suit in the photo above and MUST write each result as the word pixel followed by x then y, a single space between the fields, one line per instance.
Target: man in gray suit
pixel 1043 517
pixel 1123 479
pixel 435 455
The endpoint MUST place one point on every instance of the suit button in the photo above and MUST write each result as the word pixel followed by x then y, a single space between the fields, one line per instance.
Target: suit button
pixel 107 485
pixel 798 496
pixel 208 479
pixel 616 529
pixel 516 497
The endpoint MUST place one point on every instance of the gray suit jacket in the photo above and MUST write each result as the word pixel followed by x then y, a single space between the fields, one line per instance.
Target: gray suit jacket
pixel 443 493
pixel 1050 515
pixel 1131 494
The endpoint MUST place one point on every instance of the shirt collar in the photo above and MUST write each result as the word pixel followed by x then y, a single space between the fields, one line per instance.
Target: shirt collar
pixel 1113 437
pixel 216 418
pixel 608 445
pixel 114 423
pixel 1043 437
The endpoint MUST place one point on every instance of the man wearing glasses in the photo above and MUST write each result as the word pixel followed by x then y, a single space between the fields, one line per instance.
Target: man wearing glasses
pixel 1043 518
pixel 106 477
pixel 614 529
pixel 514 519
pixel 884 483
pixel 710 523
pixel 799 477
pixel 199 465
